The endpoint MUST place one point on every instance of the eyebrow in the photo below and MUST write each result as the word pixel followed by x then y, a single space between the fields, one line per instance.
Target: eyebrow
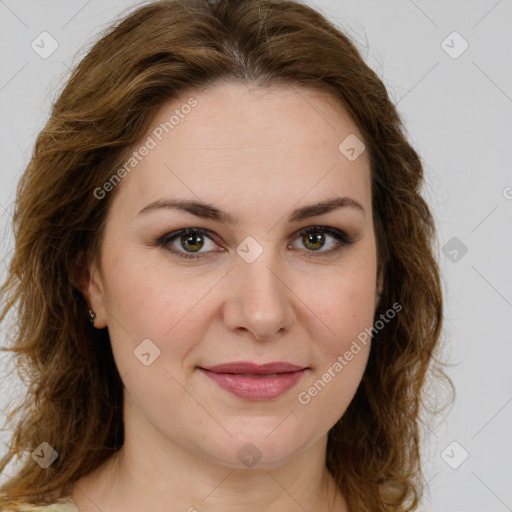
pixel 208 211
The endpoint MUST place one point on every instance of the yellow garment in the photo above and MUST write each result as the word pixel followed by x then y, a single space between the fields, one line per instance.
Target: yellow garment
pixel 62 505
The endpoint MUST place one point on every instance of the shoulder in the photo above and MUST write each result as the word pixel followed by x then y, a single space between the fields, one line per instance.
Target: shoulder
pixel 62 505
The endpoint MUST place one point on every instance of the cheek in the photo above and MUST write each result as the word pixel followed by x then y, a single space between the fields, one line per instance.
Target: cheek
pixel 343 307
pixel 148 303
pixel 340 355
pixel 149 300
pixel 342 303
pixel 345 316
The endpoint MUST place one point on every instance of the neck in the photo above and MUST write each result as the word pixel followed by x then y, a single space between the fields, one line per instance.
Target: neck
pixel 151 473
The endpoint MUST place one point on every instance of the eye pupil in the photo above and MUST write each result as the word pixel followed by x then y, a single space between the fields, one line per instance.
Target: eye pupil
pixel 192 239
pixel 315 239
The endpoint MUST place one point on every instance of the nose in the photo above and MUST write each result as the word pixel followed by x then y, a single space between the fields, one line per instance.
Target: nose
pixel 258 298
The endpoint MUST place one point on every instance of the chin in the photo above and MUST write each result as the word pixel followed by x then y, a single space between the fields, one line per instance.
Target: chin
pixel 259 449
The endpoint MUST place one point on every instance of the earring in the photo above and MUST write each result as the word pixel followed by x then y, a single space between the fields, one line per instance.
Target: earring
pixel 92 316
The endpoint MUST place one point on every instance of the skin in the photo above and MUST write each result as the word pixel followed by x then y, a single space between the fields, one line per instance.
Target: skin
pixel 257 154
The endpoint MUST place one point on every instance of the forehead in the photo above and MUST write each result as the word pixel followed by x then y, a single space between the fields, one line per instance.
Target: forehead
pixel 233 138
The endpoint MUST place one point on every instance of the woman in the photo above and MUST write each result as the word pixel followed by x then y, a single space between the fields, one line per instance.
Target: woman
pixel 224 277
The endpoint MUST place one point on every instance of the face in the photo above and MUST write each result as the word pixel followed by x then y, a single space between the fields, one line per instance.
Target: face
pixel 265 273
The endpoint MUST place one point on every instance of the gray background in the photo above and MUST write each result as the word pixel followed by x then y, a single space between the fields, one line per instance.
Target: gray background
pixel 458 113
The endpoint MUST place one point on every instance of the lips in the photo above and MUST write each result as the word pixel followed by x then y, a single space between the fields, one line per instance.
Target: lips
pixel 255 382
pixel 255 369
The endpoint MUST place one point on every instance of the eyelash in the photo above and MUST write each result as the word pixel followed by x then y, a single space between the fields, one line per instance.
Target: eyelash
pixel 342 239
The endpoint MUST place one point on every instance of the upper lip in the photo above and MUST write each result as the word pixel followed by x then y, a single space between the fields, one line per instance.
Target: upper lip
pixel 254 369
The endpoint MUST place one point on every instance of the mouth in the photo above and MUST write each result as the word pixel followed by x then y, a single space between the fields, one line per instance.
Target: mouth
pixel 255 382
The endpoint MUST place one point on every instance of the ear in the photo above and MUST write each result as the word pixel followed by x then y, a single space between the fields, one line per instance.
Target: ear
pixel 88 279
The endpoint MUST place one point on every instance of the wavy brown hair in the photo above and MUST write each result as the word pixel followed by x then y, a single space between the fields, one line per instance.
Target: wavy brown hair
pixel 74 396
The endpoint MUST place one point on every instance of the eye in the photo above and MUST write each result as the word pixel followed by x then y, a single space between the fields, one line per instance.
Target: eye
pixel 190 239
pixel 188 243
pixel 314 239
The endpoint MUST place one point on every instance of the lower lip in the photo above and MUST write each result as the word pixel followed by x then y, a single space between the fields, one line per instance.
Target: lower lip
pixel 255 387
